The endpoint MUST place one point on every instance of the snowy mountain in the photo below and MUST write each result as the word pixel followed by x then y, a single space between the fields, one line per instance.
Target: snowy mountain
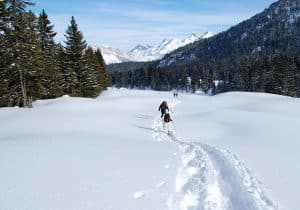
pixel 207 35
pixel 141 53
pixel 148 52
pixel 113 55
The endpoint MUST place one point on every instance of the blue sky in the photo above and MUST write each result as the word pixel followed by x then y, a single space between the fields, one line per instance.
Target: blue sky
pixel 126 23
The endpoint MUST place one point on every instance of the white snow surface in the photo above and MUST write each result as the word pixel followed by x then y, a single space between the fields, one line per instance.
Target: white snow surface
pixel 231 151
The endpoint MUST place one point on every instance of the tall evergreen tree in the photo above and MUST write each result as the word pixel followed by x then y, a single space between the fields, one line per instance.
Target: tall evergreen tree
pixel 207 80
pixel 51 74
pixel 45 33
pixel 103 76
pixel 289 79
pixel 20 61
pixel 89 87
pixel 195 79
pixel 4 55
pixel 65 74
pixel 75 47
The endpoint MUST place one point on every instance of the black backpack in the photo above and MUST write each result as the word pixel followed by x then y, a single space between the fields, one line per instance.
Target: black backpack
pixel 167 118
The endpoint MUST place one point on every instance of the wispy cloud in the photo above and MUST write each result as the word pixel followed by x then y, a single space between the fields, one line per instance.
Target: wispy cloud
pixel 129 22
pixel 167 17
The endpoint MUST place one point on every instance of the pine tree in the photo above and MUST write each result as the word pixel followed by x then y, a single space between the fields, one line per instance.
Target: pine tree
pixel 277 69
pixel 74 49
pixel 4 55
pixel 289 80
pixel 45 33
pixel 20 61
pixel 32 62
pixel 195 79
pixel 103 76
pixel 51 74
pixel 155 79
pixel 267 74
pixel 89 87
pixel 207 80
pixel 66 76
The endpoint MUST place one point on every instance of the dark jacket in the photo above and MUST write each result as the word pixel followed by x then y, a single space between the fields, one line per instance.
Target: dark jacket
pixel 163 107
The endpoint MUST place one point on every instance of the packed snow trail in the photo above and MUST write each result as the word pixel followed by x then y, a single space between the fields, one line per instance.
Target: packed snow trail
pixel 211 178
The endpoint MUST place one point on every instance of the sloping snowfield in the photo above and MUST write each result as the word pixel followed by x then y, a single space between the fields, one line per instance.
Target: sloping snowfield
pixel 231 151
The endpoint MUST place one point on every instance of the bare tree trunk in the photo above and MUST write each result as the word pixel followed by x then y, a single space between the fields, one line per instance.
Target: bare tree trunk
pixel 30 102
pixel 23 90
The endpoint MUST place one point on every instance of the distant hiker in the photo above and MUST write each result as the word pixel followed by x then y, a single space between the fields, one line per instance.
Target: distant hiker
pixel 167 121
pixel 163 108
pixel 175 94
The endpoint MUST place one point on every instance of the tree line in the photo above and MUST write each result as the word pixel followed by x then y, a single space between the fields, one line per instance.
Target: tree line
pixel 277 74
pixel 259 54
pixel 33 66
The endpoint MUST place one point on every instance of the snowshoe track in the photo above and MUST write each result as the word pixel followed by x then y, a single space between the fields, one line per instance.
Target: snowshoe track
pixel 211 178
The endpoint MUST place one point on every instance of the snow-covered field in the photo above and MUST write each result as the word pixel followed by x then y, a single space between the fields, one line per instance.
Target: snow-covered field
pixel 231 151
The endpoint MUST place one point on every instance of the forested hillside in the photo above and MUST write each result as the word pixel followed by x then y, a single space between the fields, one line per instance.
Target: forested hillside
pixel 260 54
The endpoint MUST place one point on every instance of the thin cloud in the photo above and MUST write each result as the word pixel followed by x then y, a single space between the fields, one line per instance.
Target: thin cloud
pixel 126 24
pixel 165 16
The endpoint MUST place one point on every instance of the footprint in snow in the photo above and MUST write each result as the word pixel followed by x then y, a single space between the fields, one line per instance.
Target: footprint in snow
pixel 138 195
pixel 161 184
pixel 167 166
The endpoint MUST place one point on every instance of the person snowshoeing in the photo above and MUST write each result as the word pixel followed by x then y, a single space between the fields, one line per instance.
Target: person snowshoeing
pixel 175 94
pixel 163 108
pixel 167 121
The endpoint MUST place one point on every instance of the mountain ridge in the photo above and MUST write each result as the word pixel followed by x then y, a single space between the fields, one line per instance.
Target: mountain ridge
pixel 144 53
pixel 265 32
